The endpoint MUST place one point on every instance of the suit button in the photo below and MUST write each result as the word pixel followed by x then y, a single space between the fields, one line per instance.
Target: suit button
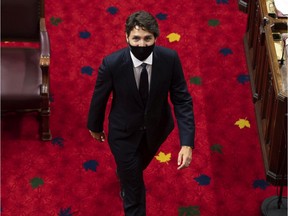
pixel 142 128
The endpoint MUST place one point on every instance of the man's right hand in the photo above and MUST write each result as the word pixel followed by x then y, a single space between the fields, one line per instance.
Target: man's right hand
pixel 98 136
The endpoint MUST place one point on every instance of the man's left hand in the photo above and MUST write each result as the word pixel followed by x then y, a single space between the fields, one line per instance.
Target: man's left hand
pixel 184 157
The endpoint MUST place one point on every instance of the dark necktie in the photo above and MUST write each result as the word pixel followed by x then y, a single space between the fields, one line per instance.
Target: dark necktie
pixel 143 84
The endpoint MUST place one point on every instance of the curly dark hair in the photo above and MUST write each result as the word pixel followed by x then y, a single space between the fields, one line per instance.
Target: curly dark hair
pixel 144 20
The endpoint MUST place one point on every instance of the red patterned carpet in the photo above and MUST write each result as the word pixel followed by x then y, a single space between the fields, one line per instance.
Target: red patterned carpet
pixel 74 176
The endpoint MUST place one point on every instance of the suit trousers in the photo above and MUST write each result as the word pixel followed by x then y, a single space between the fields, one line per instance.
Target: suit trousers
pixel 131 179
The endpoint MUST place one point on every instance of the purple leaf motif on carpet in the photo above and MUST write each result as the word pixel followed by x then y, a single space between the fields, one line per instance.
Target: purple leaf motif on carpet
pixel 260 183
pixel 203 180
pixel 222 1
pixel 161 16
pixel 58 141
pixel 226 51
pixel 65 212
pixel 87 70
pixel 243 78
pixel 84 34
pixel 112 10
pixel 90 165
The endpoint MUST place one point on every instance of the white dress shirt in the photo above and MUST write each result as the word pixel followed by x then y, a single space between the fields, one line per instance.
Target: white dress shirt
pixel 138 68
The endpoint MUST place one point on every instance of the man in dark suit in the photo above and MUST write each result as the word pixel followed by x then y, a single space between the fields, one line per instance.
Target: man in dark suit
pixel 140 118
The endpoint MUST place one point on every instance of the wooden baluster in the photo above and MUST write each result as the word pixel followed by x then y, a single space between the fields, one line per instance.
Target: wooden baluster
pixel 265 88
pixel 259 75
pixel 253 13
pixel 256 40
pixel 277 134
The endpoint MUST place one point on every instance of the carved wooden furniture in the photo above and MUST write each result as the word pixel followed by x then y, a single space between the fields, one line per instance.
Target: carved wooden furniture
pixel 266 57
pixel 25 66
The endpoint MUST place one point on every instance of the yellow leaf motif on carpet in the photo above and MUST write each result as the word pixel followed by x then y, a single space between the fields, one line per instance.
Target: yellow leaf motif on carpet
pixel 242 123
pixel 172 37
pixel 162 157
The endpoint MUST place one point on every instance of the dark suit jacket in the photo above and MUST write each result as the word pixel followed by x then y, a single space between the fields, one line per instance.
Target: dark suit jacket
pixel 128 115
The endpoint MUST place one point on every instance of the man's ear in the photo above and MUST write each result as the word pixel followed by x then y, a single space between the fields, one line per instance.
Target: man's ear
pixel 127 38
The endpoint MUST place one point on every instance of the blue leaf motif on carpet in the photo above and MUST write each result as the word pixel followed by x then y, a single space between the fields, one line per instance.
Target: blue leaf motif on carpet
pixel 260 183
pixel 161 16
pixel 65 212
pixel 222 1
pixel 203 179
pixel 87 70
pixel 226 51
pixel 84 34
pixel 58 141
pixel 243 78
pixel 112 10
pixel 90 165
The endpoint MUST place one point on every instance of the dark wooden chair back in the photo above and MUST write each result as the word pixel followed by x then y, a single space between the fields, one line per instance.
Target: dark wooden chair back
pixel 25 60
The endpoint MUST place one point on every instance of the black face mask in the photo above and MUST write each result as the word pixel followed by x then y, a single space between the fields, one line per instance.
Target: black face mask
pixel 142 53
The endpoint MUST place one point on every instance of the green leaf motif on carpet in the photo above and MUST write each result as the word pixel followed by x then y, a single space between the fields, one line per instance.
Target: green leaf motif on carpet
pixel 55 21
pixel 216 148
pixel 188 211
pixel 213 22
pixel 36 182
pixel 196 80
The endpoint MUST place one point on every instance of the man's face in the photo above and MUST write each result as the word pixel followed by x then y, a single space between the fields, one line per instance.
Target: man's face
pixel 140 37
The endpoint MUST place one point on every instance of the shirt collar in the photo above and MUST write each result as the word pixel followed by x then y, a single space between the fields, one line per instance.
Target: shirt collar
pixel 137 62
